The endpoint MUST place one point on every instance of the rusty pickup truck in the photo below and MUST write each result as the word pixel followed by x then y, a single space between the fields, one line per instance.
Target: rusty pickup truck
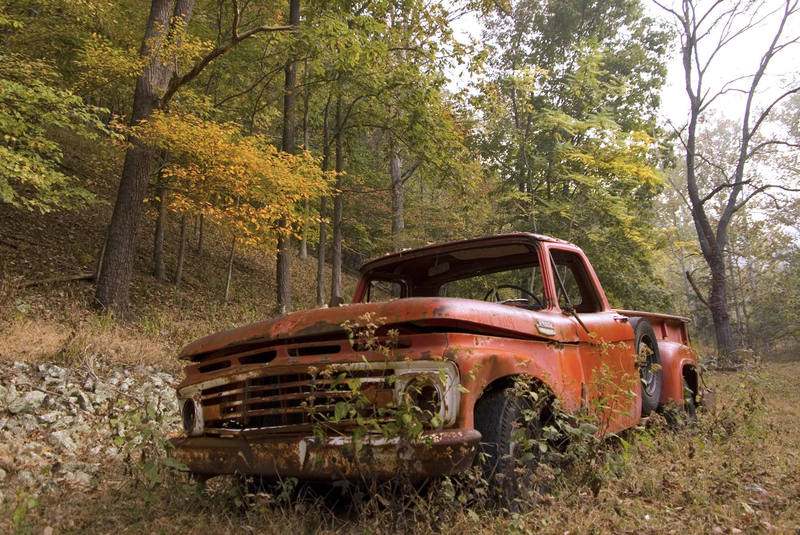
pixel 468 320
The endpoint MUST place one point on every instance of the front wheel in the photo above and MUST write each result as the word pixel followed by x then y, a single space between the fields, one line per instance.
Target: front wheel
pixel 509 420
pixel 648 362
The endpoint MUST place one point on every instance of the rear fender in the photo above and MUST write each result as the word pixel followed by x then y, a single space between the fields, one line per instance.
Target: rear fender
pixel 676 359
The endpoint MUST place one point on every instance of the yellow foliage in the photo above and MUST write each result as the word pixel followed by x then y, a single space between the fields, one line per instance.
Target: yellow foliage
pixel 105 66
pixel 241 182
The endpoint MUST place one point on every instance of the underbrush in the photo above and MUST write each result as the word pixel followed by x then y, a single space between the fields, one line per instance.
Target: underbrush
pixel 736 471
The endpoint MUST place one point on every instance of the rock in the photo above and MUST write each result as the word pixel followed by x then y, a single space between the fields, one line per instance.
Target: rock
pixel 79 478
pixel 82 400
pixel 29 422
pixel 3 474
pixel 27 403
pixel 62 439
pixel 57 372
pixel 51 417
pixel 52 383
pixel 89 385
pixel 26 479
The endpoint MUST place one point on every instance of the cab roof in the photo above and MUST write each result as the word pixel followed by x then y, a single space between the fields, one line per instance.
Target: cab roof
pixel 471 243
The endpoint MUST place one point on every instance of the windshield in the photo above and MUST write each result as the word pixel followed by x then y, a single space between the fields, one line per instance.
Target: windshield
pixel 507 273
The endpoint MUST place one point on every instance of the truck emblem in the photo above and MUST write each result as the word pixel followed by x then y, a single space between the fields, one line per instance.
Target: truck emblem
pixel 546 328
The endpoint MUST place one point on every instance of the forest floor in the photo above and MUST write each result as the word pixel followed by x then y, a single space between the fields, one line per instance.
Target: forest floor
pixel 82 450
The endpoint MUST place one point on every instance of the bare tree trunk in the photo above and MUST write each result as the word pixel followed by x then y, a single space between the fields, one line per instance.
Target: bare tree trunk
pixel 230 268
pixel 735 297
pixel 159 271
pixel 336 264
pixel 100 257
pixel 323 209
pixel 283 269
pixel 398 193
pixel 306 141
pixel 115 274
pixel 181 251
pixel 200 239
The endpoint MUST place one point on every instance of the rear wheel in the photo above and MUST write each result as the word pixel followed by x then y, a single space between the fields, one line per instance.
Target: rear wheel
pixel 689 403
pixel 648 362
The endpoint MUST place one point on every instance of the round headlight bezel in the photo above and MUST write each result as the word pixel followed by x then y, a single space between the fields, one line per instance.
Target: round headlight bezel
pixel 424 394
pixel 191 417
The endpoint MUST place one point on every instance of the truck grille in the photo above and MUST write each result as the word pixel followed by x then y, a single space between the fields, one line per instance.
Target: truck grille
pixel 288 402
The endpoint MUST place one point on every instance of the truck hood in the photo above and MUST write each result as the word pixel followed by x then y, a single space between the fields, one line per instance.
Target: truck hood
pixel 425 312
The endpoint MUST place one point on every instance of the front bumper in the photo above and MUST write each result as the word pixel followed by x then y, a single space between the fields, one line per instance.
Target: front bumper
pixel 437 453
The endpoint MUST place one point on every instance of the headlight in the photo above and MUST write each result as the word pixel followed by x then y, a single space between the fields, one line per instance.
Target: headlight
pixel 424 394
pixel 192 417
pixel 431 387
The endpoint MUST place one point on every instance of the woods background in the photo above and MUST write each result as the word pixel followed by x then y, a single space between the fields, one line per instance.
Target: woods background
pixel 207 163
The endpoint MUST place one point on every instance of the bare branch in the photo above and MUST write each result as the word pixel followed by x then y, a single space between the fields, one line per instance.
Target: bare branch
pixel 697 291
pixel 179 81
pixel 762 189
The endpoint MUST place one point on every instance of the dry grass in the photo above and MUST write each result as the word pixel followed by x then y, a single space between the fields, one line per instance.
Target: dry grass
pixel 736 472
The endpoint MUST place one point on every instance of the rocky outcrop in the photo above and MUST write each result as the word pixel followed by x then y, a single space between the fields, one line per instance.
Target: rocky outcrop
pixel 61 426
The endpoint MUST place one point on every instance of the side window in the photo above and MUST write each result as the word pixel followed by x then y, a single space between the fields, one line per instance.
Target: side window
pixel 573 285
pixel 379 290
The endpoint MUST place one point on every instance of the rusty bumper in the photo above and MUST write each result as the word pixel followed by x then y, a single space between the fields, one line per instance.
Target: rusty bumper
pixel 438 453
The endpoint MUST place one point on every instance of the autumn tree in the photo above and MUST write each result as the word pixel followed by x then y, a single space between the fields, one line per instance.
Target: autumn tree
pixel 240 182
pixel 32 110
pixel 159 81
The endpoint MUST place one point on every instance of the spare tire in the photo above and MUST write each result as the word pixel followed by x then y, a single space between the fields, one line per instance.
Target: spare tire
pixel 648 362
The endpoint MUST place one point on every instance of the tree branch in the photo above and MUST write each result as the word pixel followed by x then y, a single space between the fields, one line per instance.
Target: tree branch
pixel 696 289
pixel 237 38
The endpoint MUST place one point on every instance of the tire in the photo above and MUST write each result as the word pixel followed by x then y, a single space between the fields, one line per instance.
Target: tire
pixel 689 404
pixel 682 417
pixel 508 458
pixel 648 362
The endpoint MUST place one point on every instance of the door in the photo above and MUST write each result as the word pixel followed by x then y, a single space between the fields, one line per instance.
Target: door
pixel 609 390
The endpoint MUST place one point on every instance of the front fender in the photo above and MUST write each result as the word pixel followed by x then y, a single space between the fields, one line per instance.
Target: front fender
pixel 482 360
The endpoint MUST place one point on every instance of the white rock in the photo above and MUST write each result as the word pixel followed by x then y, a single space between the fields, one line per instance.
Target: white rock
pixel 62 439
pixel 26 478
pixel 27 403
pixel 79 478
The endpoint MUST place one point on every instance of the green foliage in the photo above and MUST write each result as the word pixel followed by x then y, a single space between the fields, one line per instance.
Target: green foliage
pixel 33 115
pixel 568 107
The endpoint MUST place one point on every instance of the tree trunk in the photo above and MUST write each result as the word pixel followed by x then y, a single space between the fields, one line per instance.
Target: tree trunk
pixel 283 268
pixel 181 251
pixel 336 263
pixel 306 141
pixel 323 209
pixel 200 240
pixel 115 275
pixel 159 271
pixel 398 222
pixel 230 268
pixel 718 304
pixel 100 257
